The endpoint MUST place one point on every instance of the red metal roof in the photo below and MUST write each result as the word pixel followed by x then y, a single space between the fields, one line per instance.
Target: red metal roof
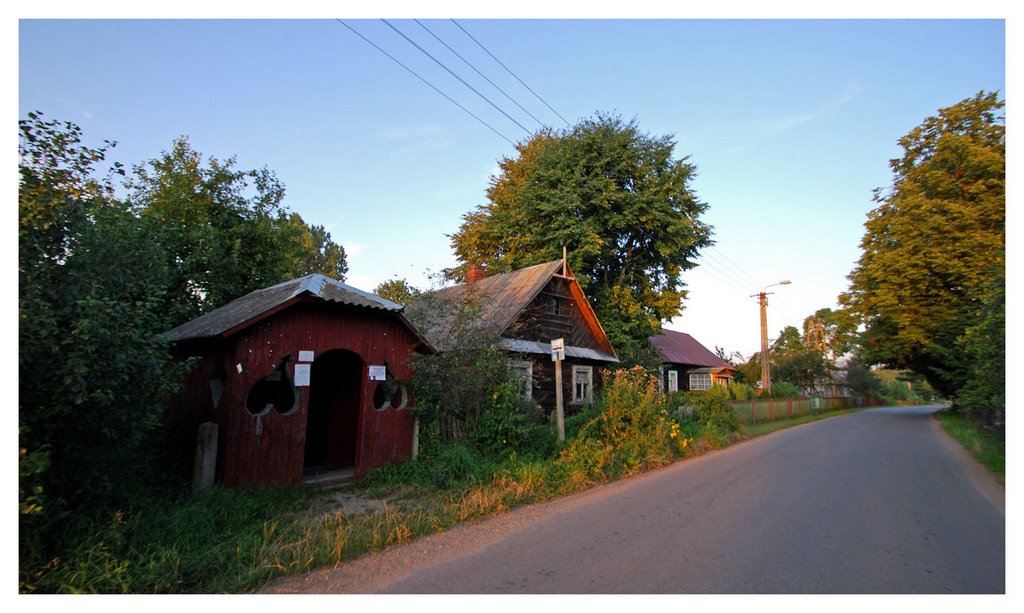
pixel 681 348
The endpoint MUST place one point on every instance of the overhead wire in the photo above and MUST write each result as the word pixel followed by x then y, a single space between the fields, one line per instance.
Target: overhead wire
pixel 475 69
pixel 734 265
pixel 428 83
pixel 451 72
pixel 511 73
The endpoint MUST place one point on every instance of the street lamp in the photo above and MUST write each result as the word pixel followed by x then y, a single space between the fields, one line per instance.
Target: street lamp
pixel 766 373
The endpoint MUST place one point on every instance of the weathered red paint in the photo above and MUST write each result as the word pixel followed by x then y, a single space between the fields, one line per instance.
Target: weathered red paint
pixel 269 448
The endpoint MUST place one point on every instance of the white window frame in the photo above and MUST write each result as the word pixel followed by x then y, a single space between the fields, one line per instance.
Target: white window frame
pixel 673 381
pixel 523 370
pixel 588 396
pixel 700 382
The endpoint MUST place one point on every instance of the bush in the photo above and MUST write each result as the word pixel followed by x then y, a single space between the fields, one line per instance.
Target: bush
pixel 783 389
pixel 512 426
pixel 714 422
pixel 631 432
pixel 741 391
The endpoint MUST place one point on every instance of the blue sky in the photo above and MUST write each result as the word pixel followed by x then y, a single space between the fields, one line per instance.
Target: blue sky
pixel 791 124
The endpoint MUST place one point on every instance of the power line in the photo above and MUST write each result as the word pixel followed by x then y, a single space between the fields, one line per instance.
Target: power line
pixel 511 73
pixel 493 84
pixel 734 265
pixel 428 83
pixel 729 276
pixel 461 80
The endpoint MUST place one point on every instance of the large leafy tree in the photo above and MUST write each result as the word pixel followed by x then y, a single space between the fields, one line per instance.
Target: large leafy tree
pixel 620 203
pixel 91 299
pixel 934 243
pixel 224 231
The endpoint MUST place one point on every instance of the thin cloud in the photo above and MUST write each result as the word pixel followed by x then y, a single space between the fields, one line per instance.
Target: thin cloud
pixel 417 139
pixel 774 127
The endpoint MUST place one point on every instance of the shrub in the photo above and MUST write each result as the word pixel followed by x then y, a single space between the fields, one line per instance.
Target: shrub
pixel 512 426
pixel 741 391
pixel 715 421
pixel 631 431
pixel 784 389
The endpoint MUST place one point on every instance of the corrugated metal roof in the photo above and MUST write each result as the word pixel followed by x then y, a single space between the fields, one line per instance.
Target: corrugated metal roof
pixel 254 304
pixel 681 348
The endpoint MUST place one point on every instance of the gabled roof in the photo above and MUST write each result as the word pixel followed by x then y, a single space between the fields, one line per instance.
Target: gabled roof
pixel 681 348
pixel 256 305
pixel 501 298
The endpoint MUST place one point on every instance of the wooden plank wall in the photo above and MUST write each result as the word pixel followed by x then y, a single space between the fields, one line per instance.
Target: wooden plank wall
pixel 269 448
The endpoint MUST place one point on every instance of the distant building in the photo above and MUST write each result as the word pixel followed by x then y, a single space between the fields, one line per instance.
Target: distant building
pixel 686 365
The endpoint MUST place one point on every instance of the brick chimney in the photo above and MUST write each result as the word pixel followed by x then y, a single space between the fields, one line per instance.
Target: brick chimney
pixel 475 272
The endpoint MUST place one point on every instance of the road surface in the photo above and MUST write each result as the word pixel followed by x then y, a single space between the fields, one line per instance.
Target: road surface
pixel 879 501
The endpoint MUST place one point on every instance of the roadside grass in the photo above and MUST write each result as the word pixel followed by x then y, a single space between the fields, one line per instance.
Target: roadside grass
pixel 985 444
pixel 232 541
pixel 767 427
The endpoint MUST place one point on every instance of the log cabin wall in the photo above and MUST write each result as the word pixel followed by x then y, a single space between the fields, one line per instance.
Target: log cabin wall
pixel 544 382
pixel 554 313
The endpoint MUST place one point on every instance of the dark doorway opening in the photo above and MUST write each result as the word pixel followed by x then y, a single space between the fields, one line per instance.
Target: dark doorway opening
pixel 335 398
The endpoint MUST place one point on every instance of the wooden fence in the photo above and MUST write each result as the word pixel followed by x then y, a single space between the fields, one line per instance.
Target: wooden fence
pixel 770 409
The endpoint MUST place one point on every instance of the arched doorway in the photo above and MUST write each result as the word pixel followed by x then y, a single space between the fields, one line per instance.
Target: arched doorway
pixel 335 399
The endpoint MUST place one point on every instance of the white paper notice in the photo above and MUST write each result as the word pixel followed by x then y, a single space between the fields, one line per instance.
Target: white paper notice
pixel 378 373
pixel 302 375
pixel 306 356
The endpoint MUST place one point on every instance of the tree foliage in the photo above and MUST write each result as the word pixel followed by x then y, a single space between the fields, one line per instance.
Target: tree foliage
pixel 796 361
pixel 397 290
pixel 224 232
pixel 934 242
pixel 91 298
pixel 617 200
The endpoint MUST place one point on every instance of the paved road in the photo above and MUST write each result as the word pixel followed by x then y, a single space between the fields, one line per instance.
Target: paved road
pixel 878 501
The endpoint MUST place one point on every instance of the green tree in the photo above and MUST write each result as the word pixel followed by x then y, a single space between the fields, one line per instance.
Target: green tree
pixel 795 361
pixel 398 291
pixel 832 332
pixel 933 242
pixel 224 232
pixel 860 379
pixel 617 200
pixel 982 353
pixel 91 299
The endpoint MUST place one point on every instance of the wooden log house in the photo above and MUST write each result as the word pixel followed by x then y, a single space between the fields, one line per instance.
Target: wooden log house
pixel 525 310
pixel 687 365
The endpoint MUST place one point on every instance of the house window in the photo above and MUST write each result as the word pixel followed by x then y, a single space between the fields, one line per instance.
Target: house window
pixel 523 372
pixel 700 382
pixel 582 384
pixel 673 381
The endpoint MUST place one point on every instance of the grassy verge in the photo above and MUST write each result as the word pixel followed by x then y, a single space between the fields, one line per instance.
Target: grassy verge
pixel 234 541
pixel 767 427
pixel 985 444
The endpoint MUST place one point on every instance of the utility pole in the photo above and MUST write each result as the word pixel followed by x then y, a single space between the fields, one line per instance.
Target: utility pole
pixel 766 371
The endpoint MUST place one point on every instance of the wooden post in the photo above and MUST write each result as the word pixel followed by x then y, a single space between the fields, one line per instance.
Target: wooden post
pixel 559 410
pixel 557 351
pixel 205 465
pixel 415 437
